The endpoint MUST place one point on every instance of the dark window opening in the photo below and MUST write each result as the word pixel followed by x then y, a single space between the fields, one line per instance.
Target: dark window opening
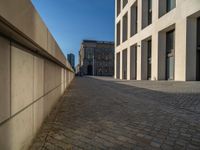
pixel 118 34
pixel 149 57
pixel 118 66
pixel 149 12
pixel 125 27
pixel 170 4
pixel 170 51
pixel 118 7
pixel 134 19
pixel 89 70
pixel 124 64
pixel 198 51
pixel 124 3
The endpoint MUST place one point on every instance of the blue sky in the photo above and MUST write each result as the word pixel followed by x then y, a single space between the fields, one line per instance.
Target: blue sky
pixel 71 21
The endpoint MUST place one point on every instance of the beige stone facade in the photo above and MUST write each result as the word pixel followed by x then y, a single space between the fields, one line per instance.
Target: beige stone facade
pixel 34 73
pixel 157 40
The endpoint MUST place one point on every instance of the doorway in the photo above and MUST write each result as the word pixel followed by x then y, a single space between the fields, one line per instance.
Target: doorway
pixel 170 52
pixel 89 70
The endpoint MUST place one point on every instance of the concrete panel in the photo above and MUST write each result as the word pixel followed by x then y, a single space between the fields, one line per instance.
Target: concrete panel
pixel 39 115
pixel 21 79
pixel 49 102
pixel 49 76
pixel 17 133
pixel 25 18
pixel 180 50
pixel 58 75
pixel 155 56
pixel 4 79
pixel 51 45
pixel 38 77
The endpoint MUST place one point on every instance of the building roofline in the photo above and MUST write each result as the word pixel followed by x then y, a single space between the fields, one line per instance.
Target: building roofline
pixel 98 42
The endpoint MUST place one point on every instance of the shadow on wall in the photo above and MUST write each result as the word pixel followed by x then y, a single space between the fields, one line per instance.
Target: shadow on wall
pixel 36 84
pixel 30 84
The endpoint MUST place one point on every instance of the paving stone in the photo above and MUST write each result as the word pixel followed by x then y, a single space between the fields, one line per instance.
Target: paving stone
pixel 155 144
pixel 104 113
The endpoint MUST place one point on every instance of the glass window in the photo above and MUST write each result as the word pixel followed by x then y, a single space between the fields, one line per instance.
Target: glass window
pixel 170 41
pixel 170 68
pixel 149 59
pixel 118 7
pixel 124 3
pixel 170 45
pixel 125 27
pixel 170 5
pixel 118 33
pixel 149 12
pixel 133 19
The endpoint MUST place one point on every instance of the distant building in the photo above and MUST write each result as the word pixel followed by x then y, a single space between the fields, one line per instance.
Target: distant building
pixel 77 69
pixel 71 59
pixel 96 58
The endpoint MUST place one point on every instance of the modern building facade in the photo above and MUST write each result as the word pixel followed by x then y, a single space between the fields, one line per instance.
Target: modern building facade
pixel 71 59
pixel 157 40
pixel 96 58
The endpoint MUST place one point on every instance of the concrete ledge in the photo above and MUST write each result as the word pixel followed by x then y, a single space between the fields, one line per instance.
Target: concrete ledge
pixel 21 18
pixel 34 73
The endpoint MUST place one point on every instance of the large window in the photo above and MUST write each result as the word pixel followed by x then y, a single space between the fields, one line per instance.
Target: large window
pixel 170 42
pixel 134 19
pixel 170 45
pixel 118 7
pixel 124 64
pixel 149 55
pixel 170 4
pixel 146 13
pixel 125 27
pixel 133 62
pixel 118 33
pixel 118 66
pixel 124 3
pixel 90 52
pixel 149 12
pixel 165 6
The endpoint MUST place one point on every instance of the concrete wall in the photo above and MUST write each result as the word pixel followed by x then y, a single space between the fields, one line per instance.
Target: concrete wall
pixel 182 18
pixel 34 73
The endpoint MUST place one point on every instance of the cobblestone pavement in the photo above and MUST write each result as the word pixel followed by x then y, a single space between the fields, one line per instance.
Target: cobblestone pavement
pixel 103 113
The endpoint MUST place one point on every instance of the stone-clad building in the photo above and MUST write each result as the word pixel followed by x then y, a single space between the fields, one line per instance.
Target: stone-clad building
pixel 96 58
pixel 157 40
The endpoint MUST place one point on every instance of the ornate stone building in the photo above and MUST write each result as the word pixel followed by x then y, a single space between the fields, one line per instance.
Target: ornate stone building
pixel 96 58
